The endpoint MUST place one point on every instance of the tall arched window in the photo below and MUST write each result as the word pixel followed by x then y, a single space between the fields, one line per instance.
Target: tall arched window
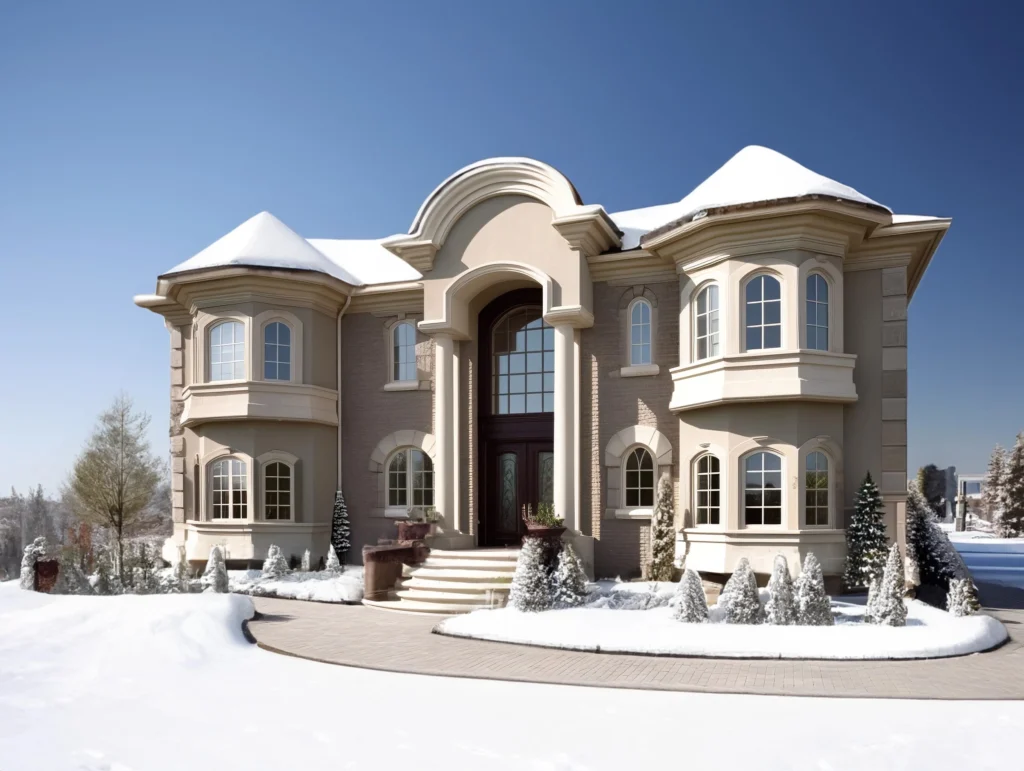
pixel 640 333
pixel 230 489
pixel 277 351
pixel 762 482
pixel 817 312
pixel 403 360
pixel 816 490
pixel 709 490
pixel 523 368
pixel 410 479
pixel 227 351
pixel 707 323
pixel 277 491
pixel 639 481
pixel 764 313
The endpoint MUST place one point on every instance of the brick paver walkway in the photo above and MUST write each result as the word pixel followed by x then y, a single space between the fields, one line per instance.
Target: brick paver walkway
pixel 374 639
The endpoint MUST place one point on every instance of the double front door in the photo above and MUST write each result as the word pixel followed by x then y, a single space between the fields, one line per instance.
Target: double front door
pixel 519 473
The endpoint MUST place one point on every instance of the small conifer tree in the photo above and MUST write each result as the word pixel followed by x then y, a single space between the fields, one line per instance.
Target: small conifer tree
pixel 813 607
pixel 275 565
pixel 962 599
pixel 144 570
pixel 570 579
pixel 781 607
pixel 663 534
pixel 874 589
pixel 333 563
pixel 995 482
pixel 215 577
pixel 104 583
pixel 691 602
pixel 306 561
pixel 744 602
pixel 1011 521
pixel 531 583
pixel 865 537
pixel 890 610
pixel 340 529
pixel 180 577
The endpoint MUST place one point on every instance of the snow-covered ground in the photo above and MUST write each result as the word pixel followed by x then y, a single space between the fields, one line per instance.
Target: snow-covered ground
pixel 316 586
pixel 929 633
pixel 990 559
pixel 148 683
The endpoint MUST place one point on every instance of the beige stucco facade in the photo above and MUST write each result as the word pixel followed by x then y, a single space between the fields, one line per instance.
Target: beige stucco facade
pixel 341 416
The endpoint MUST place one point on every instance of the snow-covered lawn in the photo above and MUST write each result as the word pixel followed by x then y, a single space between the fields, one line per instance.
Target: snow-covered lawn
pixel 929 633
pixel 148 683
pixel 316 586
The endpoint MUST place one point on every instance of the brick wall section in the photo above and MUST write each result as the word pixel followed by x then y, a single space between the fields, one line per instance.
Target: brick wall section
pixel 611 403
pixel 369 413
pixel 176 431
pixel 894 397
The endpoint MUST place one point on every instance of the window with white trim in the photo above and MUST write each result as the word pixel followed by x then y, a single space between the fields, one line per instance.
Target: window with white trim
pixel 640 333
pixel 709 490
pixel 227 351
pixel 277 351
pixel 403 360
pixel 639 479
pixel 763 313
pixel 816 490
pixel 229 486
pixel 817 312
pixel 706 328
pixel 762 489
pixel 523 366
pixel 278 495
pixel 410 474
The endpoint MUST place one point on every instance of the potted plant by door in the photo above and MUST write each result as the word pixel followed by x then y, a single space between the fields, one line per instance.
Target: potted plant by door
pixel 543 524
pixel 417 527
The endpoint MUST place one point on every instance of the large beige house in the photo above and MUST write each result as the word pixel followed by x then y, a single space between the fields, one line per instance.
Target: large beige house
pixel 520 345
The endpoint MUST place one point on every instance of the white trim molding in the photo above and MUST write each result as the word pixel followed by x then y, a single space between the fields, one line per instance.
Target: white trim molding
pixel 266 399
pixel 386 447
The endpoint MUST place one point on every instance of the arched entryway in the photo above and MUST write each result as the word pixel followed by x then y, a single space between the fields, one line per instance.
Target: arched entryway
pixel 516 395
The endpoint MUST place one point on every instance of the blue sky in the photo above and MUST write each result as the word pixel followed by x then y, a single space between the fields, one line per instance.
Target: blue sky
pixel 132 135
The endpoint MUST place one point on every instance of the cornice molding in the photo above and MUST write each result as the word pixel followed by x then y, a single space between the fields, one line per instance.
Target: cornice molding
pixel 630 267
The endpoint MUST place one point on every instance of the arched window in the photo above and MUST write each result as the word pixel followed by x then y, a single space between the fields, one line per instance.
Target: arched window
pixel 639 479
pixel 410 479
pixel 762 489
pixel 816 492
pixel 817 312
pixel 640 333
pixel 523 348
pixel 707 323
pixel 709 490
pixel 277 351
pixel 230 488
pixel 764 313
pixel 227 351
pixel 277 491
pixel 403 360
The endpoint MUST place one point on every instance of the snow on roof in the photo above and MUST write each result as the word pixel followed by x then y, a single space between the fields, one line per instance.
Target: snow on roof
pixel 754 175
pixel 899 219
pixel 366 260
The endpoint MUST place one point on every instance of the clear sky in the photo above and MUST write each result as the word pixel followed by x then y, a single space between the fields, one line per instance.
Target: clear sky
pixel 134 134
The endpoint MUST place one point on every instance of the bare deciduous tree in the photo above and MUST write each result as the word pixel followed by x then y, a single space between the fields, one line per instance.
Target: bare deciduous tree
pixel 116 476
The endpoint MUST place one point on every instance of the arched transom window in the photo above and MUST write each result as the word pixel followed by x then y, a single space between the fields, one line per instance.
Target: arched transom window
pixel 640 333
pixel 523 348
pixel 227 351
pixel 709 490
pixel 277 491
pixel 639 479
pixel 816 490
pixel 817 312
pixel 403 360
pixel 708 344
pixel 762 489
pixel 277 351
pixel 410 479
pixel 764 313
pixel 230 489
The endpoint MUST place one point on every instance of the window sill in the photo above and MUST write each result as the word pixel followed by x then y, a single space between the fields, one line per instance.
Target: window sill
pixel 402 385
pixel 638 513
pixel 395 512
pixel 640 370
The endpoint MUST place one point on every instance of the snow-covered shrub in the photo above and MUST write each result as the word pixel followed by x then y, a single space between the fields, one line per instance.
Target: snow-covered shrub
pixel 333 563
pixel 691 602
pixel 274 566
pixel 531 589
pixel 215 577
pixel 104 582
pixel 937 560
pixel 813 607
pixel 618 600
pixel 30 557
pixel 874 589
pixel 663 534
pixel 962 599
pixel 890 610
pixel 340 530
pixel 992 496
pixel 143 570
pixel 865 537
pixel 781 607
pixel 570 580
pixel 306 561
pixel 743 602
pixel 1011 518
pixel 70 578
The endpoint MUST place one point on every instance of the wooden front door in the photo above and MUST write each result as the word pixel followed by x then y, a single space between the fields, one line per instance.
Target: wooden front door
pixel 520 474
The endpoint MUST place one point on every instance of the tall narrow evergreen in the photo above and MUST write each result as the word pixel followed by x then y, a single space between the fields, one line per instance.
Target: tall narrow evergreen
pixel 1011 523
pixel 215 577
pixel 890 609
pixel 866 541
pixel 340 529
pixel 663 534
pixel 781 607
pixel 813 606
pixel 691 602
pixel 995 482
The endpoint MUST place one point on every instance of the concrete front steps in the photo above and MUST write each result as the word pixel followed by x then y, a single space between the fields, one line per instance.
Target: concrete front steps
pixel 451 582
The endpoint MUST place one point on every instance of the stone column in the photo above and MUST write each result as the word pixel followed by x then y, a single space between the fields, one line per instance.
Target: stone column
pixel 178 510
pixel 565 423
pixel 894 398
pixel 444 428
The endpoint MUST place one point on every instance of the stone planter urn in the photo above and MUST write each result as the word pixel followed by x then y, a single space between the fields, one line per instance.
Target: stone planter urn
pixel 414 531
pixel 536 530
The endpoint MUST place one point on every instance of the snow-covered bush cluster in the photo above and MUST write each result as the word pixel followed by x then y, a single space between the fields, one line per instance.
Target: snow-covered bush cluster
pixel 542 583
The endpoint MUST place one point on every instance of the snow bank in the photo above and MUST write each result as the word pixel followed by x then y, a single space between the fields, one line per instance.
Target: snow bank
pixel 930 633
pixel 316 586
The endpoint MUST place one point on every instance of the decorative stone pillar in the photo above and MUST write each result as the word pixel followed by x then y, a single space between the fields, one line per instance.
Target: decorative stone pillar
pixel 894 398
pixel 444 429
pixel 565 425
